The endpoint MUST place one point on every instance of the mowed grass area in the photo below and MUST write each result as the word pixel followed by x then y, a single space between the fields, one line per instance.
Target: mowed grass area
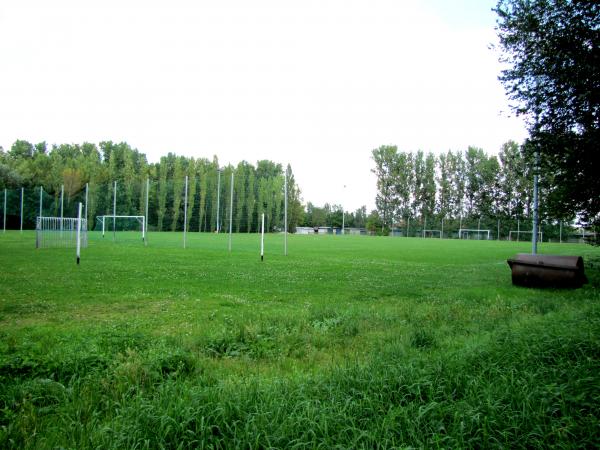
pixel 347 342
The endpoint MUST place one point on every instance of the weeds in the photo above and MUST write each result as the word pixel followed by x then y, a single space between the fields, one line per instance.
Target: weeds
pixel 382 350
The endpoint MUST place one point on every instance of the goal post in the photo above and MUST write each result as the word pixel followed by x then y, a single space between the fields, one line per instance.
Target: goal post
pixel 107 219
pixel 464 233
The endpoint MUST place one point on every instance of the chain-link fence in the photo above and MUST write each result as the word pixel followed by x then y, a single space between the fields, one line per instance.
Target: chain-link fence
pixel 489 228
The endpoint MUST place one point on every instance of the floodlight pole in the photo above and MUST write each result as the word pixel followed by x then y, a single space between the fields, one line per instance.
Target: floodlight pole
pixel 460 228
pixel 22 193
pixel 262 237
pixel 115 212
pixel 4 226
pixel 185 211
pixel 62 202
pixel 146 218
pixel 560 231
pixel 534 239
pixel 87 188
pixel 285 205
pixel 41 190
pixel 231 211
pixel 343 216
pixel 218 197
pixel 79 233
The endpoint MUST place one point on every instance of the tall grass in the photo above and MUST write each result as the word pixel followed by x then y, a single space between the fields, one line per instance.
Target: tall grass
pixel 348 342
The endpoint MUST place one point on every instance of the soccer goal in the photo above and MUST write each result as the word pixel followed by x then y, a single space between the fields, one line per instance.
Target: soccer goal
pixel 59 232
pixel 465 233
pixel 432 234
pixel 108 220
pixel 516 235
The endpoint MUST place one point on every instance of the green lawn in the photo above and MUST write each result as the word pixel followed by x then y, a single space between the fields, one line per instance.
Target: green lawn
pixel 348 342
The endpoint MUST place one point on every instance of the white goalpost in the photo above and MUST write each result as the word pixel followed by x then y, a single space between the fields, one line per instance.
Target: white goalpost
pixel 107 218
pixel 518 233
pixel 432 233
pixel 463 233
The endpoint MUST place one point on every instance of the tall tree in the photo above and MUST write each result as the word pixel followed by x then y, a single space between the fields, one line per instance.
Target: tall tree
pixel 191 197
pixel 459 182
pixel 240 193
pixel 419 180
pixel 403 184
pixel 385 162
pixel 250 200
pixel 444 183
pixel 552 48
pixel 203 181
pixel 162 192
pixel 295 209
pixel 428 189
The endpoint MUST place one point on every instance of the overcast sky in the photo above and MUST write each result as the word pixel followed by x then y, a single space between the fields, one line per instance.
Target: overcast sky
pixel 317 84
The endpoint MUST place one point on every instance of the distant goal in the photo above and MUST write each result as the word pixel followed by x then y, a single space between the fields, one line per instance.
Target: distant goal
pixel 432 234
pixel 515 235
pixel 467 233
pixel 107 220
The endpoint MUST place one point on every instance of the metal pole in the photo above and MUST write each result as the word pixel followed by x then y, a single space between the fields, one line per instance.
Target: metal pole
pixel 41 190
pixel 442 232
pixel 460 228
pixel 262 237
pixel 79 233
pixel 518 229
pixel 146 211
pixel 22 193
pixel 424 225
pixel 62 202
pixel 115 212
pixel 285 220
pixel 185 211
pixel 534 239
pixel 231 211
pixel 407 226
pixel 498 238
pixel 4 227
pixel 560 231
pixel 343 217
pixel 218 198
pixel 87 188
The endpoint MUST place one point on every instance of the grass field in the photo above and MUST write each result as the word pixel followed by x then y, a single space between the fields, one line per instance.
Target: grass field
pixel 348 342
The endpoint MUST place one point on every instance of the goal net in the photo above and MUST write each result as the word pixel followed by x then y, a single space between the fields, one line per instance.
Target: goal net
pixel 515 235
pixel 59 232
pixel 132 225
pixel 464 233
pixel 432 233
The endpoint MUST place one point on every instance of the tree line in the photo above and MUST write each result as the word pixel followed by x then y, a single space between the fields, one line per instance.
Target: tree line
pixel 257 189
pixel 453 185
